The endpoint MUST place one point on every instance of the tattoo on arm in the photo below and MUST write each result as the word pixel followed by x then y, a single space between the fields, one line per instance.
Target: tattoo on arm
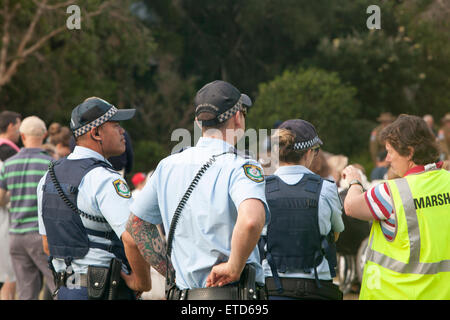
pixel 150 244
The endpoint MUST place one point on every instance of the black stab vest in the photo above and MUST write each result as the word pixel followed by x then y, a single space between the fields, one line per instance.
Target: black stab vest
pixel 294 242
pixel 66 235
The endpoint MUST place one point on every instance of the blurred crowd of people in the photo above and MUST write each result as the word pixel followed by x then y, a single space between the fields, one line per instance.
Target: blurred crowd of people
pixel 58 142
pixel 440 131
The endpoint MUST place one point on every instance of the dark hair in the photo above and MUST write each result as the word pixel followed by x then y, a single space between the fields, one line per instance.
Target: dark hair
pixel 412 131
pixel 286 141
pixel 8 117
pixel 205 116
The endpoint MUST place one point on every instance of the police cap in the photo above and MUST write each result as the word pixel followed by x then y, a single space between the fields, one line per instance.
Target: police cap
pixel 221 99
pixel 94 112
pixel 305 133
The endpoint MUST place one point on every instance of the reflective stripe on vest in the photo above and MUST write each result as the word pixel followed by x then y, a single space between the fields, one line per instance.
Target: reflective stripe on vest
pixel 414 266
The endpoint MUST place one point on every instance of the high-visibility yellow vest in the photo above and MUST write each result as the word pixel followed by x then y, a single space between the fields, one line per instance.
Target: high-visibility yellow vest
pixel 416 263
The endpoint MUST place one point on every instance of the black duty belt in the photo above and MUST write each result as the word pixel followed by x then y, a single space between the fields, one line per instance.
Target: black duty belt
pixel 245 289
pixel 81 280
pixel 102 283
pixel 214 293
pixel 306 289
pixel 74 280
pixel 229 292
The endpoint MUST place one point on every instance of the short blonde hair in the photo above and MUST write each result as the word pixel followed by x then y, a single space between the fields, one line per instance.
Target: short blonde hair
pixel 33 126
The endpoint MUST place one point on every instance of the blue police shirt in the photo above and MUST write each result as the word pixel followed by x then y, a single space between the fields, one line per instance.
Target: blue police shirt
pixel 203 235
pixel 330 211
pixel 97 196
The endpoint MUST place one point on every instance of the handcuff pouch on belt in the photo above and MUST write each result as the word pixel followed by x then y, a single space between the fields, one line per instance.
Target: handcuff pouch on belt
pixel 97 282
pixel 103 283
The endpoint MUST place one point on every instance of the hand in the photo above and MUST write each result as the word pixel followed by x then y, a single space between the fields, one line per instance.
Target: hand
pixel 222 274
pixel 135 284
pixel 351 173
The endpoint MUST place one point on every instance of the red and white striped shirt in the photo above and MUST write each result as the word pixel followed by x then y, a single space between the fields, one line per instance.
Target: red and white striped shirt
pixel 380 203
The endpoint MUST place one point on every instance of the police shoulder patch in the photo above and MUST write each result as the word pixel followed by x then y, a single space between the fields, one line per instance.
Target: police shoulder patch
pixel 253 172
pixel 122 188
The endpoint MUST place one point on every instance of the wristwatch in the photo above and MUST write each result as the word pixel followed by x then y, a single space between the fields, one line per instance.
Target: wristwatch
pixel 356 181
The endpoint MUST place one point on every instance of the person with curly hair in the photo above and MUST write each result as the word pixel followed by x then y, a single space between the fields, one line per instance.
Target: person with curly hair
pixel 408 254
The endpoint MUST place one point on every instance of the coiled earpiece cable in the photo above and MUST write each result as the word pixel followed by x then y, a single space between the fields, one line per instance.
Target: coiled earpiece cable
pixel 69 203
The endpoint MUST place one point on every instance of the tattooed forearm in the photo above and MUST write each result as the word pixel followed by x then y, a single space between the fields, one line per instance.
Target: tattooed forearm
pixel 149 242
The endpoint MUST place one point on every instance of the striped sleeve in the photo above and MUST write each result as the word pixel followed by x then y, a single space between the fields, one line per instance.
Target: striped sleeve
pixel 379 201
pixel 2 179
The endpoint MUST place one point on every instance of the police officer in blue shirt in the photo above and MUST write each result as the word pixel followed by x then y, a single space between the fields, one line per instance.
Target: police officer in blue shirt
pixel 211 202
pixel 83 207
pixel 299 248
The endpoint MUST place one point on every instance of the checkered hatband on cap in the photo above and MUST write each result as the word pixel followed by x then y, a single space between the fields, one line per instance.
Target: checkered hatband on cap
pixel 96 123
pixel 230 112
pixel 206 107
pixel 306 144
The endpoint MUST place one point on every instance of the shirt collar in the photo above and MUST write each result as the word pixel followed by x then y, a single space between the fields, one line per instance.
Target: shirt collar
pixel 422 168
pixel 83 152
pixel 214 143
pixel 10 143
pixel 31 150
pixel 288 170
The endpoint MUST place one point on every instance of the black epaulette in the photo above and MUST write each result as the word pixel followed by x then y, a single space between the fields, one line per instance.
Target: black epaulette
pixel 106 165
pixel 244 154
pixel 329 180
pixel 182 149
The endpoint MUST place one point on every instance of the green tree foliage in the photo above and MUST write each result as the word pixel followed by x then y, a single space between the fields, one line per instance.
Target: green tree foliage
pixel 153 55
pixel 402 68
pixel 147 155
pixel 247 42
pixel 427 23
pixel 316 96
pixel 100 59
pixel 383 69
